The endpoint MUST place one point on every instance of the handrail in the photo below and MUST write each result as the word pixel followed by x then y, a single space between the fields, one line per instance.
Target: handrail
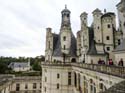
pixel 106 69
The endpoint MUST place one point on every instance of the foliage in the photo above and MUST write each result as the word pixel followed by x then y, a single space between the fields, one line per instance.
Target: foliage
pixel 5 61
pixel 36 66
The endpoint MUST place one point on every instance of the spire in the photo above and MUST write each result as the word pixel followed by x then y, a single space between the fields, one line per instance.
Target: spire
pixel 65 6
pixel 65 17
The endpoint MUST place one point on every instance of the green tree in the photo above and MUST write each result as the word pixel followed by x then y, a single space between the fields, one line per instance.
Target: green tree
pixel 36 66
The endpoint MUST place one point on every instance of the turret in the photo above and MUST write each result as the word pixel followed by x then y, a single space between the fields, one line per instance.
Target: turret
pixel 49 44
pixel 65 18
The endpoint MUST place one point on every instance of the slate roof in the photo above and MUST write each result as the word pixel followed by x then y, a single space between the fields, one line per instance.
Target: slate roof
pixel 96 10
pixel 117 88
pixel 55 38
pixel 92 49
pixel 108 14
pixel 18 64
pixel 57 49
pixel 121 47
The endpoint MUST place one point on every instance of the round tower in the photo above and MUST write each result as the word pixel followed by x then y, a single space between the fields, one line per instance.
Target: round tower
pixel 65 33
pixel 65 18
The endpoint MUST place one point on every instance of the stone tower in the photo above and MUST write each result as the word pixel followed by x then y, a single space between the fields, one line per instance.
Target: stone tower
pixel 108 27
pixel 49 44
pixel 121 16
pixel 97 28
pixel 65 32
pixel 97 25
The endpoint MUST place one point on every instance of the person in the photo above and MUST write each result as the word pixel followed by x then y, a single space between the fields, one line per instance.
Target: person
pixel 110 62
pixel 120 62
pixel 103 62
pixel 100 61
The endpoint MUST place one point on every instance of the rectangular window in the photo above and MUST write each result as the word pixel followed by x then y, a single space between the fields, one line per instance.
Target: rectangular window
pixel 40 85
pixel 101 86
pixel 75 79
pixel 34 85
pixel 49 44
pixel 119 42
pixel 58 75
pixel 64 47
pixel 17 87
pixel 108 38
pixel 69 78
pixel 108 48
pixel 109 26
pixel 57 85
pixel 45 89
pixel 26 86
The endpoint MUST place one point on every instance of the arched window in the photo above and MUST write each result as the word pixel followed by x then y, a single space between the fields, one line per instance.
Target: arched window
pixel 92 86
pixel 85 85
pixel 102 87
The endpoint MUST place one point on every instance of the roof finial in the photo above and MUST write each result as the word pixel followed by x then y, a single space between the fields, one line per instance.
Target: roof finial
pixel 65 6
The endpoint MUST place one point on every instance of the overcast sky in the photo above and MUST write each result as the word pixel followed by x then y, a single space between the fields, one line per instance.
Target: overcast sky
pixel 23 22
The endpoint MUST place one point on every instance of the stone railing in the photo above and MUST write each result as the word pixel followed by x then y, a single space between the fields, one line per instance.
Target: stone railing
pixel 28 78
pixel 56 64
pixel 106 69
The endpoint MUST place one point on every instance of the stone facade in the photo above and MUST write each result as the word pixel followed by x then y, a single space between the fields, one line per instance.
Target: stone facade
pixel 12 84
pixel 79 77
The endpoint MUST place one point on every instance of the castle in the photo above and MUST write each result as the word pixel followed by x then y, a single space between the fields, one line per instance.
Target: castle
pixel 72 64
pixel 92 43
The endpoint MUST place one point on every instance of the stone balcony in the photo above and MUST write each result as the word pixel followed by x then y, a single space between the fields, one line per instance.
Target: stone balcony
pixel 106 69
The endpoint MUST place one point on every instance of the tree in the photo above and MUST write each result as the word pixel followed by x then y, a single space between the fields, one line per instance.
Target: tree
pixel 36 66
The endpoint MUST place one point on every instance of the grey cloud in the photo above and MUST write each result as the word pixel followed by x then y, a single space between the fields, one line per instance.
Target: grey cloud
pixel 23 22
